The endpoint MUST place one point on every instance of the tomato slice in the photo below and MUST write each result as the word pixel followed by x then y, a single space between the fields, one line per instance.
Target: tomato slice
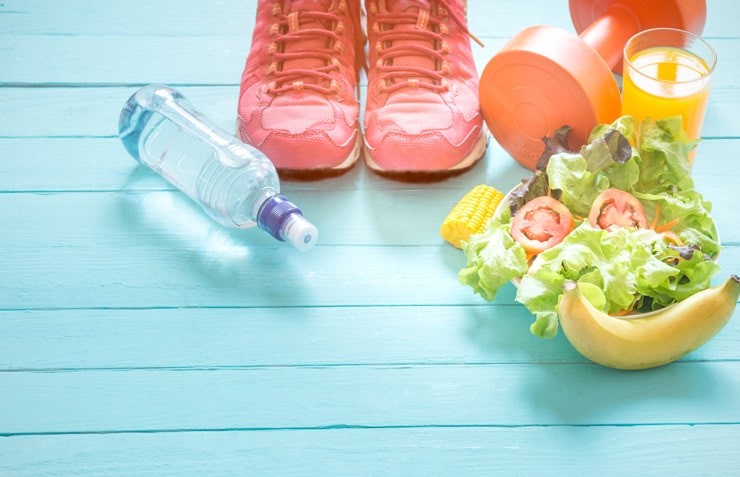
pixel 541 223
pixel 615 207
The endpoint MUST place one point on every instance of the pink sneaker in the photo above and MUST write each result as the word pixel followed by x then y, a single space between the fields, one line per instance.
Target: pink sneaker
pixel 422 116
pixel 298 102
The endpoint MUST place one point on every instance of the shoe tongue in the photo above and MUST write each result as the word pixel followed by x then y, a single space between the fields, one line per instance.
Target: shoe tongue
pixel 298 5
pixel 406 5
pixel 306 44
pixel 416 60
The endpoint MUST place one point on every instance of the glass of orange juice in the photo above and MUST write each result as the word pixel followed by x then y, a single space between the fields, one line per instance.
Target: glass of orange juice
pixel 667 72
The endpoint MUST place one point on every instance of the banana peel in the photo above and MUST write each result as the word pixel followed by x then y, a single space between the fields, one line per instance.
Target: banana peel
pixel 651 339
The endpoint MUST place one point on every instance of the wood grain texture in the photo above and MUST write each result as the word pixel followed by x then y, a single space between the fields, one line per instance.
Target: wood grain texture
pixel 297 397
pixel 137 337
pixel 490 451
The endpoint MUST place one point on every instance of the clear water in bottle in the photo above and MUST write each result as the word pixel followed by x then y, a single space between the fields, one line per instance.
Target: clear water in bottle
pixel 233 182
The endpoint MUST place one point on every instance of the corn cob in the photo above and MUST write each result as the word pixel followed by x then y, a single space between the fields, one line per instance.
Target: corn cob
pixel 470 215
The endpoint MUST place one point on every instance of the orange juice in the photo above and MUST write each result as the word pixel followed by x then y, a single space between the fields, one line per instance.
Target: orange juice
pixel 662 82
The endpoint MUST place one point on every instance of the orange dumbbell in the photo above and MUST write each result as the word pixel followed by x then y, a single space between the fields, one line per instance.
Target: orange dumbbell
pixel 545 78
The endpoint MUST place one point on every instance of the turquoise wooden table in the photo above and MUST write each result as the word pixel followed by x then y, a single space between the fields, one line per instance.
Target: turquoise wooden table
pixel 138 337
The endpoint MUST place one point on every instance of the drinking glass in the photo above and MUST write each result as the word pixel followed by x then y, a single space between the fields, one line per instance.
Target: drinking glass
pixel 667 72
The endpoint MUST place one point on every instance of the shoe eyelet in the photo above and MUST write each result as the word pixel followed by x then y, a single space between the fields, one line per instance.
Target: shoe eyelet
pixel 293 23
pixel 422 20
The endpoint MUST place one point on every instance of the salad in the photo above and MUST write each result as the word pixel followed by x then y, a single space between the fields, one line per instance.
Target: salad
pixel 621 217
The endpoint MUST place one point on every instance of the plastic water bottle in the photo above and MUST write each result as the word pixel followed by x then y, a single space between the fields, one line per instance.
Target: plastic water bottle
pixel 233 182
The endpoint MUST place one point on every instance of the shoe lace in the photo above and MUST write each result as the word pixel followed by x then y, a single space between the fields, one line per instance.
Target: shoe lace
pixel 306 45
pixel 419 34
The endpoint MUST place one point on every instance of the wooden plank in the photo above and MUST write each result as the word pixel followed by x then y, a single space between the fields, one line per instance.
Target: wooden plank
pixel 470 451
pixel 124 219
pixel 162 218
pixel 91 59
pixel 118 60
pixel 229 337
pixel 88 60
pixel 215 270
pixel 96 109
pixel 147 400
pixel 174 268
pixel 70 163
pixel 190 17
pixel 67 171
pixel 122 17
pixel 317 336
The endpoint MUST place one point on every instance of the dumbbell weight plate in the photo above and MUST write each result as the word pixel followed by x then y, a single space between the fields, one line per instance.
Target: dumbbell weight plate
pixel 542 79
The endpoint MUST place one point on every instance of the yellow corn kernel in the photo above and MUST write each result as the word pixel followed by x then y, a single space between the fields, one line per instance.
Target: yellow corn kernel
pixel 470 215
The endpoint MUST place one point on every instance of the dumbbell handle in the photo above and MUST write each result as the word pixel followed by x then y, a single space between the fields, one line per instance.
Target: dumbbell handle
pixel 609 33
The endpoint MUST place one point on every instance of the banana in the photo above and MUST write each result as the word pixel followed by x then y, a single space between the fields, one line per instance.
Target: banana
pixel 651 339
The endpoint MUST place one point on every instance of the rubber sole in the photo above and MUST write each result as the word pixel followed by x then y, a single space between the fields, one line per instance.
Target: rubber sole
pixel 464 165
pixel 322 173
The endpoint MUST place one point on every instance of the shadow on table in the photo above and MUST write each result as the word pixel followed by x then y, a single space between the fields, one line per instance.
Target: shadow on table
pixel 589 394
pixel 501 330
pixel 173 233
pixel 565 387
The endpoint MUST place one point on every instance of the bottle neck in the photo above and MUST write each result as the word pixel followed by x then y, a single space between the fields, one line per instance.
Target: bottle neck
pixel 273 213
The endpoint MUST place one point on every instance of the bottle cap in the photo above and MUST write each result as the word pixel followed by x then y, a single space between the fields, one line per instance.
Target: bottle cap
pixel 284 220
pixel 299 232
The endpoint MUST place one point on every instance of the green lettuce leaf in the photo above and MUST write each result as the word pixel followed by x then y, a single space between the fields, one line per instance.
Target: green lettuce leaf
pixel 612 262
pixel 493 258
pixel 619 269
pixel 695 225
pixel 602 164
pixel 663 157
